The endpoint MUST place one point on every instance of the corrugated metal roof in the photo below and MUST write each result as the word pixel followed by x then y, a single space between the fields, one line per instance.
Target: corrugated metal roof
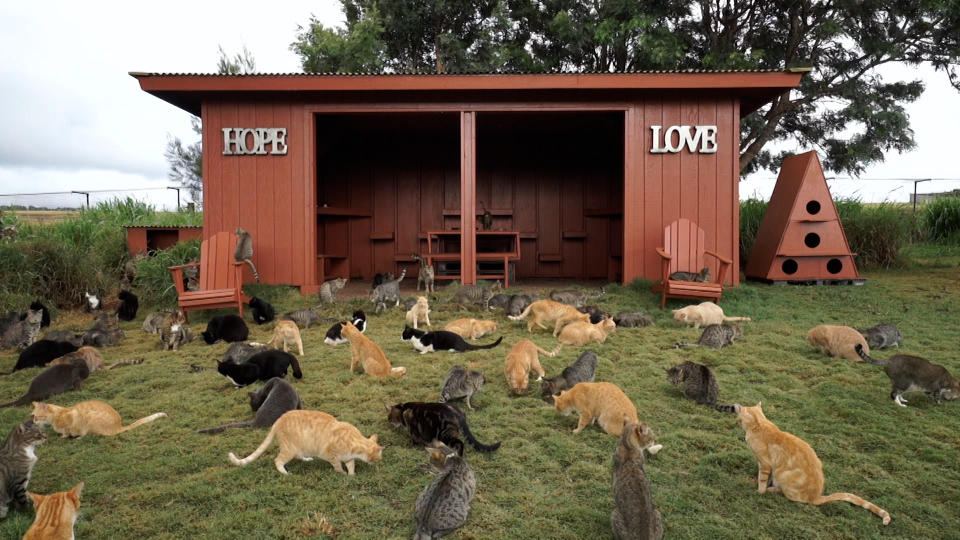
pixel 461 73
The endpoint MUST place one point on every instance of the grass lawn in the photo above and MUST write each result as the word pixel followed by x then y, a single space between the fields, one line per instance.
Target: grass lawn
pixel 164 480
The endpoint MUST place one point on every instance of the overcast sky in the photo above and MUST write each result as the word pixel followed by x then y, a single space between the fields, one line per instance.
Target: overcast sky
pixel 71 118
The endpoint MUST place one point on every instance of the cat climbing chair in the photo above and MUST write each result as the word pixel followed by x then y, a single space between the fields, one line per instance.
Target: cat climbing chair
pixel 801 239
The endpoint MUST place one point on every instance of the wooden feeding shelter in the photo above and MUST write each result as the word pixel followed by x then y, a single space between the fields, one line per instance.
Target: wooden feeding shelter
pixel 577 174
pixel 801 239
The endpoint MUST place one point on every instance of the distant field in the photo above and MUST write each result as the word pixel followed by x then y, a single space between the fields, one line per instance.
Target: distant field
pixel 45 216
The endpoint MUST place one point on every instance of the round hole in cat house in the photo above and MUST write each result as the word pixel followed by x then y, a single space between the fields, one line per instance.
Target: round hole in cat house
pixel 789 267
pixel 834 266
pixel 813 208
pixel 811 240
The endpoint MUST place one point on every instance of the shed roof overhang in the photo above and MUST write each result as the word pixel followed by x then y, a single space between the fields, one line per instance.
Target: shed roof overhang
pixel 188 90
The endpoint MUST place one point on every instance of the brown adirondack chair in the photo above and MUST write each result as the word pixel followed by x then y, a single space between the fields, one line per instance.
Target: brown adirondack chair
pixel 684 247
pixel 220 278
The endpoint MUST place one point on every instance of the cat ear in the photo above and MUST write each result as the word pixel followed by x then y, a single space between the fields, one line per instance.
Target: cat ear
pixel 36 498
pixel 758 405
pixel 373 438
pixel 75 493
pixel 388 407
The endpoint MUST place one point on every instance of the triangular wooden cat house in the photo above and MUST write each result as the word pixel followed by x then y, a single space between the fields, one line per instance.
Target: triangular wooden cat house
pixel 801 237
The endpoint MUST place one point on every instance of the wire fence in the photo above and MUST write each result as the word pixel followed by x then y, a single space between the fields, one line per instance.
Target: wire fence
pixel 163 198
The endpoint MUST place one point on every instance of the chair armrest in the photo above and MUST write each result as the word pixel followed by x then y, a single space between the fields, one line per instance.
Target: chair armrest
pixel 719 257
pixel 177 276
pixel 664 254
pixel 182 266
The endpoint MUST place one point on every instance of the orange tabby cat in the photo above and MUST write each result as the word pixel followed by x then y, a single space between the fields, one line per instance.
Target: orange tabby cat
pixel 56 514
pixel 543 311
pixel 366 353
pixel 85 417
pixel 523 358
pixel 305 434
pixel 602 402
pixel 94 360
pixel 582 332
pixel 797 471
pixel 286 332
pixel 838 341
pixel 419 312
pixel 471 328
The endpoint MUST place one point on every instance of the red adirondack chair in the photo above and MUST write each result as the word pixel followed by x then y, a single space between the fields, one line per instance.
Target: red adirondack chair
pixel 684 247
pixel 220 279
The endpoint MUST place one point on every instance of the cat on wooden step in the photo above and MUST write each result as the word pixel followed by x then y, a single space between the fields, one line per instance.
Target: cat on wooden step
pixel 86 417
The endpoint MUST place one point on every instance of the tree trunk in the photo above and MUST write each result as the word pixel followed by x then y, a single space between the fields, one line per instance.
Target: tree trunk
pixel 769 128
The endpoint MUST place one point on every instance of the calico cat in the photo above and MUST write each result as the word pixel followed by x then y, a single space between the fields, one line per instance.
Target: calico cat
pixel 582 370
pixel 388 291
pixel 703 314
pixel 444 504
pixel 419 312
pixel 468 295
pixel 702 276
pixel 581 333
pixel 910 373
pixel 715 336
pixel 790 463
pixel 426 274
pixel 524 358
pixel 42 353
pixel 86 417
pixel 574 297
pixel 626 319
pixel 154 322
pixel 546 311
pixel 229 328
pixel 459 383
pixel 305 317
pixel 305 434
pixel 882 336
pixel 129 304
pixel 634 517
pixel 367 354
pixel 17 458
pixel 499 301
pixel 261 366
pixel 470 328
pixel 93 359
pixel 602 402
pixel 441 340
pixel 175 333
pixel 517 304
pixel 269 403
pixel 23 333
pixel 697 382
pixel 334 334
pixel 429 422
pixel 837 341
pixel 328 291
pixel 263 312
pixel 286 332
pixel 56 514
pixel 52 381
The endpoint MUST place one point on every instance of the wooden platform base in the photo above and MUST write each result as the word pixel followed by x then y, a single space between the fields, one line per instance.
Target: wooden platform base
pixel 853 281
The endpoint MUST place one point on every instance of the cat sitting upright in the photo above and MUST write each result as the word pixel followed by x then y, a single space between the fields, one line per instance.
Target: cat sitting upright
pixel 697 382
pixel 444 504
pixel 634 517
pixel 910 373
pixel 419 312
pixel 366 354
pixel 328 291
pixel 17 458
pixel 263 312
pixel 335 333
pixel 56 514
pixel 269 403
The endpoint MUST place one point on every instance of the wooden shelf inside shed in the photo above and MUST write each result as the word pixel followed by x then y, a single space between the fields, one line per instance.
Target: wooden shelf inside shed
pixel 334 211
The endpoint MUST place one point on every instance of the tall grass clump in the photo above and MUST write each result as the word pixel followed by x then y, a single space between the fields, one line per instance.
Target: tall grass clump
pixel 154 282
pixel 875 232
pixel 751 216
pixel 940 219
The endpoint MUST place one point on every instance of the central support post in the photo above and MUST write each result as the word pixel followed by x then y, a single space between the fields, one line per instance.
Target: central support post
pixel 468 197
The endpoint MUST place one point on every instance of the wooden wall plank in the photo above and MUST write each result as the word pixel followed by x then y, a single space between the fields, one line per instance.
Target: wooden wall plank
pixel 653 180
pixel 707 175
pixel 728 206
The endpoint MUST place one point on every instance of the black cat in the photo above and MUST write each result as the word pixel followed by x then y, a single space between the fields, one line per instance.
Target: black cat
pixel 333 334
pixel 42 353
pixel 52 381
pixel 441 340
pixel 262 310
pixel 260 367
pixel 427 422
pixel 229 328
pixel 129 304
pixel 269 402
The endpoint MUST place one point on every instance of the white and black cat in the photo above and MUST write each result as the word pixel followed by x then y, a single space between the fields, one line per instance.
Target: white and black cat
pixel 441 340
pixel 334 336
pixel 910 373
pixel 263 312
pixel 260 367
pixel 269 403
pixel 229 328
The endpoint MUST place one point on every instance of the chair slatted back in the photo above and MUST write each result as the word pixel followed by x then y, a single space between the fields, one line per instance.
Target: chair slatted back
pixel 216 262
pixel 685 241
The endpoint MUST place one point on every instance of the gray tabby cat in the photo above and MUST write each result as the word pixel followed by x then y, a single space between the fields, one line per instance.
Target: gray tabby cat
pixel 244 251
pixel 443 505
pixel 882 336
pixel 105 331
pixel 517 304
pixel 910 373
pixel 584 369
pixel 499 301
pixel 328 291
pixel 626 319
pixel 634 516
pixel 426 274
pixel 175 335
pixel 305 317
pixel 701 276
pixel 22 334
pixel 64 335
pixel 155 322
pixel 574 297
pixel 388 291
pixel 17 458
pixel 476 294
pixel 697 382
pixel 269 403
pixel 459 383
pixel 715 336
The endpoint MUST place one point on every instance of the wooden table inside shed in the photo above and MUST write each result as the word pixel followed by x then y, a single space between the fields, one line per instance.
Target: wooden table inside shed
pixel 435 240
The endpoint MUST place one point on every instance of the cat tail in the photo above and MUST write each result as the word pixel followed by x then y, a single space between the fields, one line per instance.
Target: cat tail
pixel 471 347
pixel 724 408
pixel 681 344
pixel 295 366
pixel 256 453
pixel 196 369
pixel 256 275
pixel 399 370
pixel 477 445
pixel 866 357
pixel 25 400
pixel 140 422
pixel 734 319
pixel 853 499
pixel 521 316
pixel 132 362
pixel 220 429
pixel 550 353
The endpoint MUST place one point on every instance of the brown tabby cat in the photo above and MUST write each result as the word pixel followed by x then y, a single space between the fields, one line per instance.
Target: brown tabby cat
pixel 634 517
pixel 600 402
pixel 582 332
pixel 366 353
pixel 837 341
pixel 471 328
pixel 286 332
pixel 795 467
pixel 85 417
pixel 543 311
pixel 305 434
pixel 523 358
pixel 94 360
pixel 56 515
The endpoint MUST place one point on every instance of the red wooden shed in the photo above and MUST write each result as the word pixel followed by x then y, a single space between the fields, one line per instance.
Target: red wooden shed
pixel 349 174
